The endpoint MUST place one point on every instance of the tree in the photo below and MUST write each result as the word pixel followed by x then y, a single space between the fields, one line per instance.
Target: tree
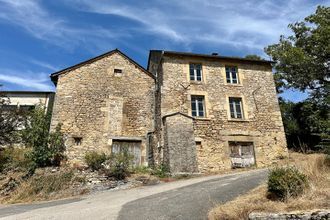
pixel 47 148
pixel 10 121
pixel 305 124
pixel 253 57
pixel 303 59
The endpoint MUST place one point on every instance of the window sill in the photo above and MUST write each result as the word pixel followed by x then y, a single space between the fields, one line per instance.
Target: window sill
pixel 201 118
pixel 234 85
pixel 196 82
pixel 238 120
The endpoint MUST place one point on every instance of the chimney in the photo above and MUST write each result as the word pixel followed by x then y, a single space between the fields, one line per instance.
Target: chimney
pixel 215 54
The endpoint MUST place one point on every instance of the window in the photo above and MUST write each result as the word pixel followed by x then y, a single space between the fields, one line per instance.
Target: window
pixel 197 106
pixel 77 140
pixel 236 108
pixel 195 72
pixel 232 75
pixel 118 71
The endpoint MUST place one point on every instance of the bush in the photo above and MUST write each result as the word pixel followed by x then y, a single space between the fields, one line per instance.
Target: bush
pixel 161 171
pixel 141 169
pixel 119 165
pixel 286 182
pixel 47 148
pixel 95 160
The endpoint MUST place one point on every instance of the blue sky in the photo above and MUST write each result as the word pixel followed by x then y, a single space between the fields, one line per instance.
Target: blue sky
pixel 40 37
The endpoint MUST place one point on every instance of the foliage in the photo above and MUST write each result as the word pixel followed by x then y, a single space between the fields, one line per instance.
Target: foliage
pixel 47 148
pixel 286 182
pixel 161 171
pixel 10 121
pixel 95 160
pixel 302 60
pixel 253 57
pixel 15 159
pixel 305 123
pixel 120 164
pixel 141 169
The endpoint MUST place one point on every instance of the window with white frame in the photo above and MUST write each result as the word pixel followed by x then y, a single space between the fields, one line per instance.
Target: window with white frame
pixel 236 108
pixel 195 71
pixel 232 75
pixel 197 106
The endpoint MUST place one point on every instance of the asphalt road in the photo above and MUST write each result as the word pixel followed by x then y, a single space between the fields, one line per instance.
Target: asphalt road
pixel 185 199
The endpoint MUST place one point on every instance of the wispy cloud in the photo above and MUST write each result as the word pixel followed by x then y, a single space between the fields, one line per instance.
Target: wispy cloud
pixel 253 24
pixel 35 81
pixel 44 65
pixel 33 17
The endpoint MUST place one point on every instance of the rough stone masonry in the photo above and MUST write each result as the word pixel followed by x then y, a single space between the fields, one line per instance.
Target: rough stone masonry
pixel 110 102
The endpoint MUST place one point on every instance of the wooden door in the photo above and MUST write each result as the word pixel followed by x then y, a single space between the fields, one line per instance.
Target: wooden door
pixel 133 148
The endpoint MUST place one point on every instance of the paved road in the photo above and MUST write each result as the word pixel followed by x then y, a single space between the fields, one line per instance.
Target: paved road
pixel 186 199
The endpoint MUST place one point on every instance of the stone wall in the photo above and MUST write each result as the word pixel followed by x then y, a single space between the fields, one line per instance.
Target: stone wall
pixel 305 215
pixel 179 144
pixel 98 105
pixel 262 123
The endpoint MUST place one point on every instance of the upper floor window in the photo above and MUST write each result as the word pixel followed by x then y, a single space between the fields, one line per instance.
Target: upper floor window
pixel 232 75
pixel 197 106
pixel 195 71
pixel 236 108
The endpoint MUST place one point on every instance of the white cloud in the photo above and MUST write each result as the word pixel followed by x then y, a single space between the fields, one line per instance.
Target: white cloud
pixel 44 65
pixel 36 81
pixel 40 23
pixel 253 24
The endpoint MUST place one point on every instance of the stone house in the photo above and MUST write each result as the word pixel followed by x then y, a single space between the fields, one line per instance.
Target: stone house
pixel 104 104
pixel 215 112
pixel 192 112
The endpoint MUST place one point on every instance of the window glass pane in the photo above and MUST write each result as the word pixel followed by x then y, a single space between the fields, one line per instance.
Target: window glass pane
pixel 194 113
pixel 199 74
pixel 228 76
pixel 200 108
pixel 193 104
pixel 238 109
pixel 232 111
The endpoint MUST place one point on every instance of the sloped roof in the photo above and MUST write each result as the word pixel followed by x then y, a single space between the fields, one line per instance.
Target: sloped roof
pixel 54 76
pixel 209 56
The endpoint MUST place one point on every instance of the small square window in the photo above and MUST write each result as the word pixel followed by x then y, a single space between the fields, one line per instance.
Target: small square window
pixel 195 72
pixel 118 71
pixel 236 108
pixel 77 141
pixel 232 75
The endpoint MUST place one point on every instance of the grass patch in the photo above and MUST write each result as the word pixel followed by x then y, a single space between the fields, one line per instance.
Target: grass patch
pixel 316 196
pixel 45 186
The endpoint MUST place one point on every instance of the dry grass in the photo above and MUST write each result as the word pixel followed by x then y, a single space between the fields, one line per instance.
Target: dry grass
pixel 45 186
pixel 317 196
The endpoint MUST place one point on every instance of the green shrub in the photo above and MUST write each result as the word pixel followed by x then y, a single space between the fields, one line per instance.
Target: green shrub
pixel 141 169
pixel 161 171
pixel 47 148
pixel 120 164
pixel 95 160
pixel 286 182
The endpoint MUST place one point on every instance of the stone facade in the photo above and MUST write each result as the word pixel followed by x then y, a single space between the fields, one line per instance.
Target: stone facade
pixel 179 145
pixel 101 100
pixel 262 123
pixel 111 100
